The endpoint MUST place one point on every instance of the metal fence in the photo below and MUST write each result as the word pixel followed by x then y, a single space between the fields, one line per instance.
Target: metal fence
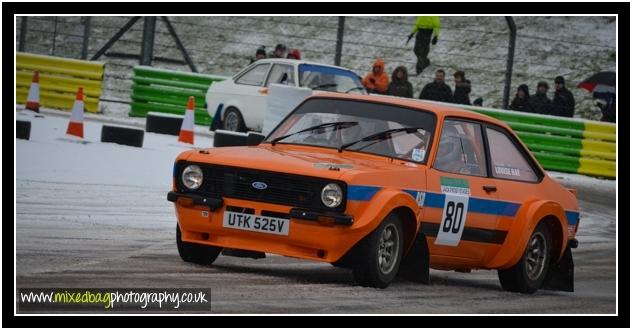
pixel 224 45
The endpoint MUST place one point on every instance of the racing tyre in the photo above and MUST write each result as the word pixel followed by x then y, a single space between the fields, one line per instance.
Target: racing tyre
pixel 122 135
pixel 223 138
pixel 344 262
pixel 529 273
pixel 163 124
pixel 196 253
pixel 377 257
pixel 233 121
pixel 22 129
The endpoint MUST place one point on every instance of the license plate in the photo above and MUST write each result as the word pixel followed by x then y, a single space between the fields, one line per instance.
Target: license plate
pixel 258 223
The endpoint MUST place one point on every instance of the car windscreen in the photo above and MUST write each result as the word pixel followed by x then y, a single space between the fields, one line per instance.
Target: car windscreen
pixel 329 79
pixel 359 119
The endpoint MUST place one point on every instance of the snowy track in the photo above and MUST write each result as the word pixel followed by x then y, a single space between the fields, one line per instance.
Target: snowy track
pixel 96 215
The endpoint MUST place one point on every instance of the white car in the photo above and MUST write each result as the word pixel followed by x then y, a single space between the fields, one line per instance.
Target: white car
pixel 240 101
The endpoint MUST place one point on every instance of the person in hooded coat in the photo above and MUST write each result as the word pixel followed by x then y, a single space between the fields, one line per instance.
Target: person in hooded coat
pixel 521 100
pixel 400 86
pixel 563 100
pixel 540 103
pixel 376 81
pixel 462 89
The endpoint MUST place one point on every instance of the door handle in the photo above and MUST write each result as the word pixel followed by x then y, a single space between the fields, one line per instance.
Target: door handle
pixel 489 188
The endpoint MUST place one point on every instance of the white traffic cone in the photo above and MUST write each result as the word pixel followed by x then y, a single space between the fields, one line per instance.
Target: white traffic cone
pixel 33 100
pixel 186 130
pixel 75 125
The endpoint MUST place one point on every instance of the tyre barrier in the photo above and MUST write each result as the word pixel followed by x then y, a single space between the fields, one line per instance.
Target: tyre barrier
pixel 254 138
pixel 22 129
pixel 167 91
pixel 163 123
pixel 123 135
pixel 59 79
pixel 223 138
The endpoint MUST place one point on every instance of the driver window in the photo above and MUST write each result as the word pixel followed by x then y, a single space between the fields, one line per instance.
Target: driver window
pixel 461 149
pixel 281 74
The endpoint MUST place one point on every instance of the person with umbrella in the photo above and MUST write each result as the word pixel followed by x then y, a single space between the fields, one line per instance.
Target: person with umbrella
pixel 602 85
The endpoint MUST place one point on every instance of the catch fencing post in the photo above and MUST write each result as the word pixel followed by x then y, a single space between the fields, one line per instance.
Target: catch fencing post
pixel 510 59
pixel 341 33
pixel 86 37
pixel 23 28
pixel 147 47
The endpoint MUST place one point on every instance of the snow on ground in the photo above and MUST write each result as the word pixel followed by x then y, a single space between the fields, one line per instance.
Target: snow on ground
pixel 59 180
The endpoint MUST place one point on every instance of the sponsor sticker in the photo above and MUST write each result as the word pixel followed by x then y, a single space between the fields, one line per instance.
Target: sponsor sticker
pixel 419 154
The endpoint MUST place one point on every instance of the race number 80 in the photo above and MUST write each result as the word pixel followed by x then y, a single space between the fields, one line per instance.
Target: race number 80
pixel 453 220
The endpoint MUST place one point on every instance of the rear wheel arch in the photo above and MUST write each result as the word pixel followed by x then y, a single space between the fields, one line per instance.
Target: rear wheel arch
pixel 556 234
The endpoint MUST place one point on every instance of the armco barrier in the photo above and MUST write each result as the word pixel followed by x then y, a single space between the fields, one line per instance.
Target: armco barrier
pixel 563 144
pixel 157 90
pixel 59 79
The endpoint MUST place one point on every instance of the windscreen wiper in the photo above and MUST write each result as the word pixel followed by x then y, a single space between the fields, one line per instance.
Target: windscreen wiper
pixel 343 124
pixel 379 136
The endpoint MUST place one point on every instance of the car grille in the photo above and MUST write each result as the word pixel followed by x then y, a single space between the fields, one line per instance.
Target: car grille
pixel 282 188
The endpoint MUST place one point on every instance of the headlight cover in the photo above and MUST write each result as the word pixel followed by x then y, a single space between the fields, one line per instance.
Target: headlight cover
pixel 192 177
pixel 331 195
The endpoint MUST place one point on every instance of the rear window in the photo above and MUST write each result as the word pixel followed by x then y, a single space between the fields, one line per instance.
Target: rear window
pixel 507 161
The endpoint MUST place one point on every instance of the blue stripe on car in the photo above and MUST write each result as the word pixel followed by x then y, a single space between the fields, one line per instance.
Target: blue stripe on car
pixel 361 193
pixel 437 200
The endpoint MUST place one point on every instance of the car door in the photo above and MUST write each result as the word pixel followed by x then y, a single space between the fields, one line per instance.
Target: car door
pixel 515 172
pixel 460 219
pixel 250 88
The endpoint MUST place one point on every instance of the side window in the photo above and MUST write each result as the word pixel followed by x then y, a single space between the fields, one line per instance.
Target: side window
pixel 254 76
pixel 461 149
pixel 281 74
pixel 507 161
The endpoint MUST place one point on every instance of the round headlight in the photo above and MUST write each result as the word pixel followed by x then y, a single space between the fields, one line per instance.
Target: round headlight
pixel 331 195
pixel 192 177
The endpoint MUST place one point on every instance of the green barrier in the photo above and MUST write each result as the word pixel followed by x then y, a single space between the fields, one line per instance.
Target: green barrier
pixel 562 144
pixel 157 90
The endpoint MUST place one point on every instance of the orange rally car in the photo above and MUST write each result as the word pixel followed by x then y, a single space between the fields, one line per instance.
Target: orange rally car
pixel 382 185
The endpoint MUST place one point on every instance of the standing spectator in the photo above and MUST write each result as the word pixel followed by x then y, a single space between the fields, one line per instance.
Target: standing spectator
pixel 607 104
pixel 540 103
pixel 279 51
pixel 462 88
pixel 376 81
pixel 400 86
pixel 425 27
pixel 437 90
pixel 294 54
pixel 261 53
pixel 563 100
pixel 521 100
pixel 478 102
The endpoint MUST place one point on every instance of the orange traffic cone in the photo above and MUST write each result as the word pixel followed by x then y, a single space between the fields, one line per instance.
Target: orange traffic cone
pixel 75 126
pixel 33 100
pixel 186 130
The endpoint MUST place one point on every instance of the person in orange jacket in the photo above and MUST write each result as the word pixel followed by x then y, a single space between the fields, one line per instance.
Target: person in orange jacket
pixel 377 80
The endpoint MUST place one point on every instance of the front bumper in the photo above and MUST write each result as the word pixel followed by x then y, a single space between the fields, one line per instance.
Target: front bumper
pixel 313 234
